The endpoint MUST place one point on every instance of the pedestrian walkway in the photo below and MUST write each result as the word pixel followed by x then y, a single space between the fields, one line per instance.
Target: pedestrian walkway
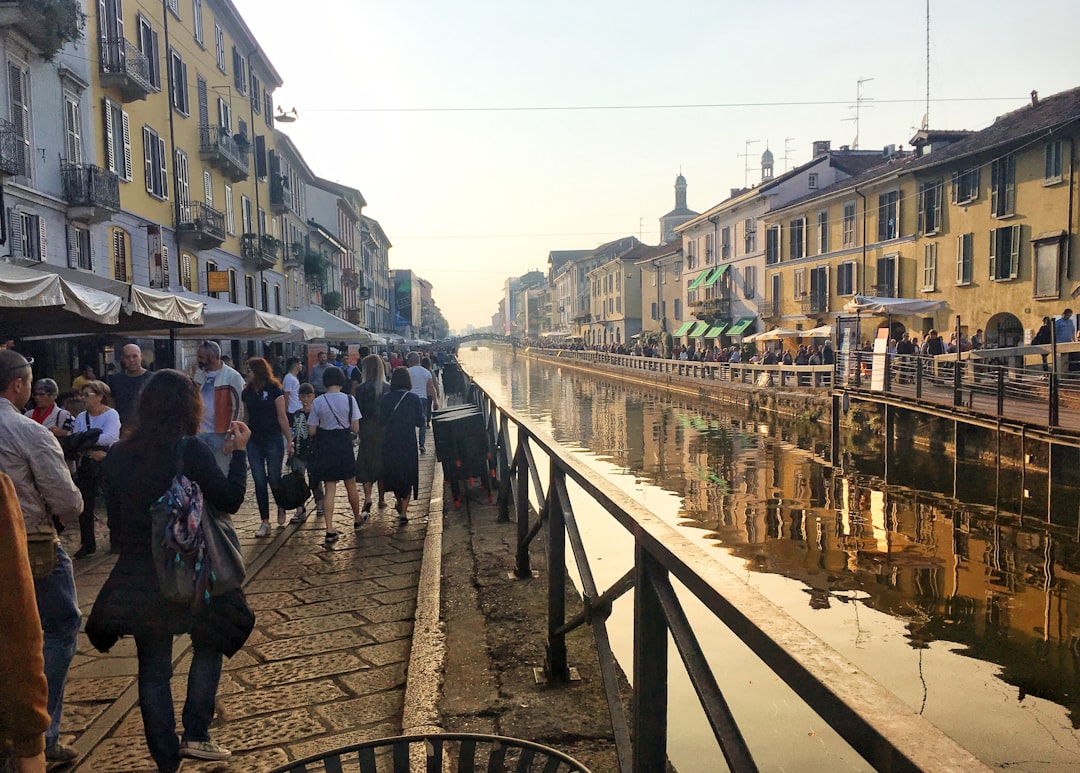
pixel 325 666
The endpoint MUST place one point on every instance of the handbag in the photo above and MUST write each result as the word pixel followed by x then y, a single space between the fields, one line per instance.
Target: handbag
pixel 293 490
pixel 195 548
pixel 41 544
pixel 76 443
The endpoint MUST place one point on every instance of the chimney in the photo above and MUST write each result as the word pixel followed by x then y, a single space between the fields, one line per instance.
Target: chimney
pixel 1034 98
pixel 735 192
pixel 821 147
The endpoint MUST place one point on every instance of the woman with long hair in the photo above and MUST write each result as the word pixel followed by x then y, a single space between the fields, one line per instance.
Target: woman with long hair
pixel 137 472
pixel 369 395
pixel 98 415
pixel 334 419
pixel 271 437
pixel 401 413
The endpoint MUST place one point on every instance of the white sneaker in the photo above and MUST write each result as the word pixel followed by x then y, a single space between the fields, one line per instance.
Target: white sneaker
pixel 263 530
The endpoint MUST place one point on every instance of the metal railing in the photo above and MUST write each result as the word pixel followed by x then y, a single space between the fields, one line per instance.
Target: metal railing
pixel 86 185
pixel 125 66
pixel 877 725
pixel 218 144
pixel 12 149
pixel 199 218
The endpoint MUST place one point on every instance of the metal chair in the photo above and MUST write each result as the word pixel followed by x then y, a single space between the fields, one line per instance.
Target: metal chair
pixel 463 752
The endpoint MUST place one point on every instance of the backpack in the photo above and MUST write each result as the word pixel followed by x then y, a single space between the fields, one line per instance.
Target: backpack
pixel 293 491
pixel 196 552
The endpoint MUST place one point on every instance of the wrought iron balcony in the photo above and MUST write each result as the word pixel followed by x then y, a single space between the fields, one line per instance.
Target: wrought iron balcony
pixel 815 303
pixel 350 278
pixel 718 307
pixel 92 193
pixel 770 309
pixel 12 150
pixel 354 315
pixel 281 198
pixel 200 227
pixel 259 253
pixel 125 68
pixel 294 255
pixel 224 151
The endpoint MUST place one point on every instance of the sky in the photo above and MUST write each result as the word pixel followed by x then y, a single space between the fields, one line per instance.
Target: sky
pixel 486 133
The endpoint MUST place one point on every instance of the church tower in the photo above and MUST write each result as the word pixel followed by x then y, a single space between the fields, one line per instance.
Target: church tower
pixel 677 216
pixel 766 165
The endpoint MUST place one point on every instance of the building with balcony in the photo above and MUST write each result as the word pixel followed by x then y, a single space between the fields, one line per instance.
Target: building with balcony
pixel 292 174
pixel 330 202
pixel 375 288
pixel 663 308
pixel 576 290
pixel 560 278
pixel 615 298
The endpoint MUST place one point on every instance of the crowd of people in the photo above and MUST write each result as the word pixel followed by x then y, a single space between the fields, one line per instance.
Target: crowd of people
pixel 122 441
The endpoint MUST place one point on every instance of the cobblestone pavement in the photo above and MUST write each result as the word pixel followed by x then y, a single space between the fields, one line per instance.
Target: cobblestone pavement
pixel 324 667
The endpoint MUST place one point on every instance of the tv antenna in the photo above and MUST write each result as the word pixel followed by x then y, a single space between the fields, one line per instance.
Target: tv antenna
pixel 746 163
pixel 860 101
pixel 787 151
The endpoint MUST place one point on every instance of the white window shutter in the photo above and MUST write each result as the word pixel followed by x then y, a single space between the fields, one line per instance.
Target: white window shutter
pixel 993 254
pixel 208 188
pixel 15 232
pixel 110 150
pixel 90 250
pixel 1014 263
pixel 163 168
pixel 126 126
pixel 165 281
pixel 72 246
pixel 43 244
pixel 825 289
pixel 148 159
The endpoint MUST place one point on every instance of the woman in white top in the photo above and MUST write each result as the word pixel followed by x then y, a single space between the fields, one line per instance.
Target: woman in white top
pixel 334 419
pixel 98 415
pixel 46 412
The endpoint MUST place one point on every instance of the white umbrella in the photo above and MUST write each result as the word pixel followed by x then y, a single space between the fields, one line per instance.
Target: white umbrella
pixel 336 328
pixel 822 331
pixel 777 333
pixel 31 299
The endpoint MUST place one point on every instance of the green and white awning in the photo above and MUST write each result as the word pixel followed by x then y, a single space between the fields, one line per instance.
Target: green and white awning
pixel 715 332
pixel 714 277
pixel 699 329
pixel 684 327
pixel 740 327
pixel 698 280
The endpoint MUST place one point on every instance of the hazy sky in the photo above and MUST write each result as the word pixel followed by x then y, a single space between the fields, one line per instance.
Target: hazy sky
pixel 391 93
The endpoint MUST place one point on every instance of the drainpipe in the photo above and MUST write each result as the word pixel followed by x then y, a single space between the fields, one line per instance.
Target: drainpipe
pixel 862 277
pixel 1072 200
pixel 175 175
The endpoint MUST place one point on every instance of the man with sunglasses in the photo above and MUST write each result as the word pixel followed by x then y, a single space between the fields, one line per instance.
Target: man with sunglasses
pixel 31 456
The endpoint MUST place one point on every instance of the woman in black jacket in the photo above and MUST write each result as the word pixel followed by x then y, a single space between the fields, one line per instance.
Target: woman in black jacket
pixel 401 413
pixel 137 471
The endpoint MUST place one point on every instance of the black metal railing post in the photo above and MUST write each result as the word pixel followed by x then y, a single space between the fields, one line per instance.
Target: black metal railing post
pixel 557 669
pixel 1000 389
pixel 650 668
pixel 523 569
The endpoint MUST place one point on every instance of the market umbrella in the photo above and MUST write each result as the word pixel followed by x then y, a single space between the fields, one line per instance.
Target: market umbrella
pixel 334 327
pixel 38 303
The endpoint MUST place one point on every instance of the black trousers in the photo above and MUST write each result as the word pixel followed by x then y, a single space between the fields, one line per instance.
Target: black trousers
pixel 88 479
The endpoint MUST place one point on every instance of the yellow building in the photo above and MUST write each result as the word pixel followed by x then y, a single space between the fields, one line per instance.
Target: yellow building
pixel 983 221
pixel 184 95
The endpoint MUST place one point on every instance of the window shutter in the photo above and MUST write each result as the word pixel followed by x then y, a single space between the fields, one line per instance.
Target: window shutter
pixel 1014 252
pixel 208 188
pixel 993 254
pixel 955 179
pixel 110 149
pixel 260 156
pixel 921 205
pixel 995 176
pixel 1010 185
pixel 72 246
pixel 126 124
pixel 74 140
pixel 148 159
pixel 165 281
pixel 204 109
pixel 163 169
pixel 825 289
pixel 959 259
pixel 938 196
pixel 43 244
pixel 90 256
pixel 16 235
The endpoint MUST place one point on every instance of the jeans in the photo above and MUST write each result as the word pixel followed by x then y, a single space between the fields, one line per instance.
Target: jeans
pixel 265 456
pixel 155 697
pixel 58 607
pixel 425 402
pixel 216 441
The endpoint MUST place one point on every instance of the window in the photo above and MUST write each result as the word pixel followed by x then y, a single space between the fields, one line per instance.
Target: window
pixel 72 129
pixel 196 20
pixel 27 236
pixel 232 285
pixel 208 188
pixel 845 277
pixel 1003 186
pixel 183 184
pixel 772 244
pixel 19 104
pixel 188 262
pixel 148 44
pixel 678 308
pixel 1054 165
pixel 154 164
pixel 773 303
pixel 219 46
pixel 655 311
pixel 965 185
pixel 798 238
pixel 888 276
pixel 888 216
pixel 211 267
pixel 118 246
pixel 819 290
pixel 930 207
pixel 823 232
pixel 180 99
pixel 240 73
pixel 929 267
pixel 245 215
pixel 847 236
pixel 1004 253
pixel 798 284
pixel 224 115
pixel 750 235
pixel 117 140
pixel 965 252
pixel 725 242
pixel 750 281
pixel 265 295
pixel 256 93
pixel 811 181
pixel 268 109
pixel 80 249
pixel 710 249
pixel 230 214
pixel 691 253
pixel 1046 267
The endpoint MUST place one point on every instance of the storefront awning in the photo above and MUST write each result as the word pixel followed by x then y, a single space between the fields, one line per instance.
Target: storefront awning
pixel 684 327
pixel 335 328
pixel 699 330
pixel 39 303
pixel 716 331
pixel 714 277
pixel 698 280
pixel 222 319
pixel 741 326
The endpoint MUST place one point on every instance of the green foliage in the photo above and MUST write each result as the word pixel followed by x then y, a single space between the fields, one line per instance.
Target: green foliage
pixel 331 301
pixel 52 24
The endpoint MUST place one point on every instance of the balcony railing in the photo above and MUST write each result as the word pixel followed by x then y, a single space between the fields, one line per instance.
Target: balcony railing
pixel 770 309
pixel 815 303
pixel 224 152
pixel 350 278
pixel 12 150
pixel 92 193
pixel 353 316
pixel 294 255
pixel 125 68
pixel 200 227
pixel 281 198
pixel 259 252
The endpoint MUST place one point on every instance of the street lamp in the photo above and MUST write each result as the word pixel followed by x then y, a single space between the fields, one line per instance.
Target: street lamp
pixel 286 116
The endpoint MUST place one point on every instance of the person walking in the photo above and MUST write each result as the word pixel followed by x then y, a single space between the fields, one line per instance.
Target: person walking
pixel 98 415
pixel 138 471
pixel 303 455
pixel 334 419
pixel 31 456
pixel 127 384
pixel 400 413
pixel 220 387
pixel 290 385
pixel 271 437
pixel 369 396
pixel 423 386
pixel 317 370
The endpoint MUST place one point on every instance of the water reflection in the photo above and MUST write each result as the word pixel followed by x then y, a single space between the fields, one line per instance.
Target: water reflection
pixel 950 550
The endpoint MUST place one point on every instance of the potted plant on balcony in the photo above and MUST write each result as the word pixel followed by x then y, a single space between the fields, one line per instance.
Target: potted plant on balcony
pixel 270 245
pixel 331 301
pixel 52 24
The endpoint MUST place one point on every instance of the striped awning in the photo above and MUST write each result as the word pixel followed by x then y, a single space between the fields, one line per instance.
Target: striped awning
pixel 715 276
pixel 716 331
pixel 741 326
pixel 684 327
pixel 698 280
pixel 699 329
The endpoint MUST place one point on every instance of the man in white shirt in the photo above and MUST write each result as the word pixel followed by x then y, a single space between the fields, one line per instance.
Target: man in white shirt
pixel 290 385
pixel 423 386
pixel 220 386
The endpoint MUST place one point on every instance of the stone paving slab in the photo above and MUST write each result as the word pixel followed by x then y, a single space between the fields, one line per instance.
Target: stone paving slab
pixel 325 666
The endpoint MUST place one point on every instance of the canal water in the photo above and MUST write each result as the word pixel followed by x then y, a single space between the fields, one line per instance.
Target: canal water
pixel 961 608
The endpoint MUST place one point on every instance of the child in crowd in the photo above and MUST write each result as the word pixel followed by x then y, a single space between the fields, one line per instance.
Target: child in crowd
pixel 302 442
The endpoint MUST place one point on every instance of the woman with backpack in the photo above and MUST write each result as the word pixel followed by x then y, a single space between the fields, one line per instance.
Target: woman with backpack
pixel 138 471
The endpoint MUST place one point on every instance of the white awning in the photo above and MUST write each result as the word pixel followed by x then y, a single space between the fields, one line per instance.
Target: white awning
pixel 895 306
pixel 223 319
pixel 335 328
pixel 31 299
